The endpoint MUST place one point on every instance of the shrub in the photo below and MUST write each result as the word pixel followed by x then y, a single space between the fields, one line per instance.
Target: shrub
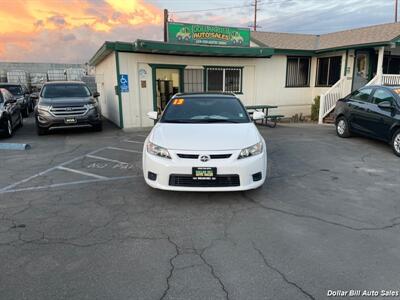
pixel 315 109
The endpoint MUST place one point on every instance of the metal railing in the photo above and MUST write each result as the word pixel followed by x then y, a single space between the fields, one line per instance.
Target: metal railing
pixel 391 79
pixel 328 100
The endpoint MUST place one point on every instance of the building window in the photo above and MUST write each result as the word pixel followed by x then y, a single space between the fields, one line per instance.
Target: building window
pixel 193 80
pixel 298 71
pixel 224 79
pixel 328 70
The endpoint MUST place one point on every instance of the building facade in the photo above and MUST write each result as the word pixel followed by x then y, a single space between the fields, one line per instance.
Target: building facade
pixel 287 70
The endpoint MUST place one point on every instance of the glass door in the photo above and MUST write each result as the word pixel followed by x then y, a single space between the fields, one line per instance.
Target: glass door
pixel 361 69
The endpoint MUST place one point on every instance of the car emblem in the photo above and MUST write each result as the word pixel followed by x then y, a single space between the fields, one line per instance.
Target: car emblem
pixel 205 158
pixel 68 108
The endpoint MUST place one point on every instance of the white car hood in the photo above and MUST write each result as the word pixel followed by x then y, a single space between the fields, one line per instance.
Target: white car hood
pixel 203 137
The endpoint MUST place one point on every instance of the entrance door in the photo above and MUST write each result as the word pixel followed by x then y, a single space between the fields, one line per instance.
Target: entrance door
pixel 168 83
pixel 361 69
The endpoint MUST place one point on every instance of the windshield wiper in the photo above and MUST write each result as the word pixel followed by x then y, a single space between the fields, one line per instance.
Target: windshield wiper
pixel 178 121
pixel 218 121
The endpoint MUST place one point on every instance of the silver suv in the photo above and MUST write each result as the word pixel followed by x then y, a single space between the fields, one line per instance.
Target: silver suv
pixel 66 104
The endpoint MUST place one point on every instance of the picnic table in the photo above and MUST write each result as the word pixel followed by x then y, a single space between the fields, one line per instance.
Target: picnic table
pixel 265 109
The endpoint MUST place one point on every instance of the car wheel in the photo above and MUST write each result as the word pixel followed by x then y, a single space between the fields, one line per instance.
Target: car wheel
pixel 396 143
pixel 98 127
pixel 25 112
pixel 41 131
pixel 9 130
pixel 21 120
pixel 342 127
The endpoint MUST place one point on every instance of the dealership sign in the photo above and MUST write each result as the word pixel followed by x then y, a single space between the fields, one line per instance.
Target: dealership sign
pixel 207 34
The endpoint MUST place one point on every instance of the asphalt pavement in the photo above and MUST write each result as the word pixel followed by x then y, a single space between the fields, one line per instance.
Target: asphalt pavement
pixel 77 221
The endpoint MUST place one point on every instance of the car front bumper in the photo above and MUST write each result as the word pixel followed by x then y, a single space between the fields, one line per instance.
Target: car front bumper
pixel 228 171
pixel 47 121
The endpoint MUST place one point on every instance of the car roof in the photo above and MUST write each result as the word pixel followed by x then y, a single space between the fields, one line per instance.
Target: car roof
pixel 63 82
pixel 3 90
pixel 9 84
pixel 391 87
pixel 206 94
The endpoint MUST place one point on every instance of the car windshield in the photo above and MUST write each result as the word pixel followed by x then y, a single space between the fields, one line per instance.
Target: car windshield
pixel 205 110
pixel 65 91
pixel 14 89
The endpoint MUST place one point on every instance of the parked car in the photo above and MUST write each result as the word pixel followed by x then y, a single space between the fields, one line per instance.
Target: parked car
pixel 10 113
pixel 205 142
pixel 21 93
pixel 373 111
pixel 64 104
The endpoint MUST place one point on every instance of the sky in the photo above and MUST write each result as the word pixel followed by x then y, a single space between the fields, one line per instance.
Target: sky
pixel 71 31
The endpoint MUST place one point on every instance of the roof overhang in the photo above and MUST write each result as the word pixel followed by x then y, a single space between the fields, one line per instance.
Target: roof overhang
pixel 155 47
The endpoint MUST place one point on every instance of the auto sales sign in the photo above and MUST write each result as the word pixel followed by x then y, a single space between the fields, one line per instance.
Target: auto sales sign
pixel 207 34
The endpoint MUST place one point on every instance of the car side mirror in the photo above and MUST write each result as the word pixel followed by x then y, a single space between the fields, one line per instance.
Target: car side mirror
pixel 11 100
pixel 385 105
pixel 258 115
pixel 96 94
pixel 152 115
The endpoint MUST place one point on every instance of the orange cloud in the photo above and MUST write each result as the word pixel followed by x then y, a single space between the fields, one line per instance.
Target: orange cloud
pixel 25 23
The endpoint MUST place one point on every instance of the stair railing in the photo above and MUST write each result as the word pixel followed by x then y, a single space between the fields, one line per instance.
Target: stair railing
pixel 330 97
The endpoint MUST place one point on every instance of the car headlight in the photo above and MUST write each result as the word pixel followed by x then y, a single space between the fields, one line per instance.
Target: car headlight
pixel 90 106
pixel 251 151
pixel 157 150
pixel 44 108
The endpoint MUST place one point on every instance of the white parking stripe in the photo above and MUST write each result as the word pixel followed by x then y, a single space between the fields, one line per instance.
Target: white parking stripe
pixel 34 188
pixel 48 170
pixel 107 159
pixel 134 142
pixel 82 172
pixel 123 149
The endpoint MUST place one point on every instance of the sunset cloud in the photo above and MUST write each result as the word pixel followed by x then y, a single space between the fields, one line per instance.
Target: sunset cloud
pixel 52 29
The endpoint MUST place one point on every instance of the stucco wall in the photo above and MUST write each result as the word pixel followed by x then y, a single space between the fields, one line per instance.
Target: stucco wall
pixel 263 83
pixel 106 79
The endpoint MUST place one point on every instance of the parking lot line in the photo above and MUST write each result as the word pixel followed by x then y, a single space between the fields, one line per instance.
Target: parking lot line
pixel 34 188
pixel 134 142
pixel 82 172
pixel 123 149
pixel 48 170
pixel 106 159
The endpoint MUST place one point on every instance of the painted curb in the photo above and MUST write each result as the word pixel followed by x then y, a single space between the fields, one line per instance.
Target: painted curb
pixel 14 146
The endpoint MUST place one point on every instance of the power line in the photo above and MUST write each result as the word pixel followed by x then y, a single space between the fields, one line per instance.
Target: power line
pixel 223 8
pixel 210 9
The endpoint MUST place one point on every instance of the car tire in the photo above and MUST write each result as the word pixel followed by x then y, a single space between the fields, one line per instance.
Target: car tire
pixel 21 120
pixel 98 127
pixel 25 112
pixel 41 131
pixel 396 143
pixel 342 127
pixel 9 129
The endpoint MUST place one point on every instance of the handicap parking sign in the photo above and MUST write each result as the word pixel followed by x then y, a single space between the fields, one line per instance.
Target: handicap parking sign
pixel 123 83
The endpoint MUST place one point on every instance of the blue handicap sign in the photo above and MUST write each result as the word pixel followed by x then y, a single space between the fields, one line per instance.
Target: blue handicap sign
pixel 123 83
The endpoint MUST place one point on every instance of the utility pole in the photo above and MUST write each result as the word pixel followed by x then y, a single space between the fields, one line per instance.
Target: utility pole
pixel 255 15
pixel 396 3
pixel 165 25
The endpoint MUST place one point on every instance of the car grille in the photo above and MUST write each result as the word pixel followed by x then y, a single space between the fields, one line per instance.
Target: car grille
pixel 196 156
pixel 68 111
pixel 220 181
